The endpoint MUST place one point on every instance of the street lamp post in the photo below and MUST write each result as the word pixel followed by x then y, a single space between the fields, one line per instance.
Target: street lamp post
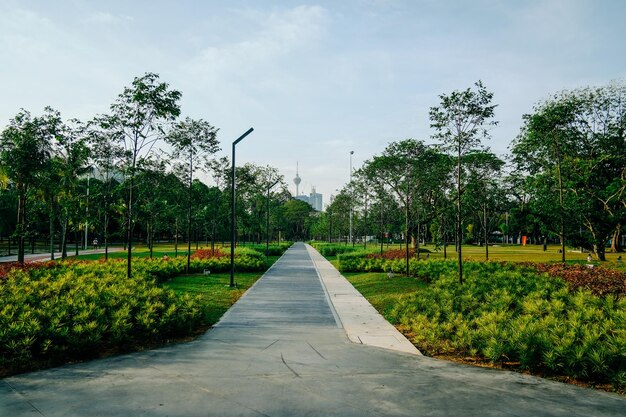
pixel 351 240
pixel 232 211
pixel 267 223
pixel 87 213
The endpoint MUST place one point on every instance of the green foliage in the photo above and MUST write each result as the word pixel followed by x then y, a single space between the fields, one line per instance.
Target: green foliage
pixel 212 291
pixel 507 313
pixel 329 249
pixel 360 262
pixel 81 309
pixel 275 249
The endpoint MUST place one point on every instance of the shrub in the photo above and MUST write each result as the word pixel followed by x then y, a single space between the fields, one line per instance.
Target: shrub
pixel 78 310
pixel 209 253
pixel 508 313
pixel 74 309
pixel 332 249
pixel 275 249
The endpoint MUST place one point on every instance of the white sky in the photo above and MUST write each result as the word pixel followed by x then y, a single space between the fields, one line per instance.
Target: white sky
pixel 314 79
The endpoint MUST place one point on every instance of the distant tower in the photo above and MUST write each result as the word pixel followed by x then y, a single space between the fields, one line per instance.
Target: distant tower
pixel 297 181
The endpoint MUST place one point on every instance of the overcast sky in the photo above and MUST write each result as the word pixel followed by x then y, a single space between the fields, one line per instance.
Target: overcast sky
pixel 315 79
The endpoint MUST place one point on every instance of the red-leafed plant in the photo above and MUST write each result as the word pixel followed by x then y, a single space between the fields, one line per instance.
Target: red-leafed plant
pixel 392 254
pixel 599 280
pixel 209 253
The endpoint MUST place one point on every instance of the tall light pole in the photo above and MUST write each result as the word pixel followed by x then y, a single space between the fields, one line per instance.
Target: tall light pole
pixel 267 223
pixel 232 211
pixel 351 241
pixel 87 210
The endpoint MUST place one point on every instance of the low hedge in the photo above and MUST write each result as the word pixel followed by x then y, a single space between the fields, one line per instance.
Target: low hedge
pixel 275 249
pixel 365 262
pixel 77 311
pixel 513 315
pixel 333 249
pixel 59 311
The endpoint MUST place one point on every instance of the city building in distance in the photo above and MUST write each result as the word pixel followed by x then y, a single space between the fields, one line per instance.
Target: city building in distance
pixel 314 199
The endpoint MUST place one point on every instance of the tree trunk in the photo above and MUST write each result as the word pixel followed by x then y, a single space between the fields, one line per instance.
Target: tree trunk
pixel 486 240
pixel 562 208
pixel 616 245
pixel 129 226
pixel 417 238
pixel 598 249
pixel 106 232
pixel 150 243
pixel 21 226
pixel 51 227
pixel 64 239
pixel 406 234
pixel 176 237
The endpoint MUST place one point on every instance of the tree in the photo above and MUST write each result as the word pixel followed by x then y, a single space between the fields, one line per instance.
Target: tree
pixel 461 121
pixel 483 188
pixel 540 148
pixel 298 219
pixel 25 147
pixel 573 147
pixel 193 141
pixel 106 153
pixel 138 118
pixel 411 172
pixel 69 161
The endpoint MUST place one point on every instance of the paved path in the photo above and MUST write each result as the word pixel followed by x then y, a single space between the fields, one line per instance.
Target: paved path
pixel 280 352
pixel 43 257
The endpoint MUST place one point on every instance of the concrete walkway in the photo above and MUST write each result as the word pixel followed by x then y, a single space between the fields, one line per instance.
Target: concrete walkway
pixel 43 257
pixel 280 352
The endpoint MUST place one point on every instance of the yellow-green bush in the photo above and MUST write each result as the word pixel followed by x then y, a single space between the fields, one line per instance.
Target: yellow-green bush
pixel 81 309
pixel 508 313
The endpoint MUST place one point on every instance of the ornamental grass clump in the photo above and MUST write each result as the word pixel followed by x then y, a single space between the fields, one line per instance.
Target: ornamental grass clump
pixel 516 317
pixel 78 311
pixel 333 249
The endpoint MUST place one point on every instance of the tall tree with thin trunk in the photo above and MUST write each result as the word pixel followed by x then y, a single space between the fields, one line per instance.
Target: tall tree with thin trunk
pixel 138 117
pixel 193 142
pixel 25 147
pixel 461 121
pixel 106 153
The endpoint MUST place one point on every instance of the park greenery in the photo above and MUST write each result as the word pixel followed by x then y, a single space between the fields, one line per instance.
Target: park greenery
pixel 138 176
pixel 564 181
pixel 538 315
pixel 131 175
pixel 55 312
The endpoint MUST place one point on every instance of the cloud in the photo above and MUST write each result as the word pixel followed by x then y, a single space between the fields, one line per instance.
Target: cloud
pixel 108 18
pixel 273 37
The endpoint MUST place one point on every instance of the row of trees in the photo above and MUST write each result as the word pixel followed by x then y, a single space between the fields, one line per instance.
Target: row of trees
pixel 128 174
pixel 565 178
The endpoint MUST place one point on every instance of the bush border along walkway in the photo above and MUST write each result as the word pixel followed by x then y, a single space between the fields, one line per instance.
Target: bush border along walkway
pixel 506 315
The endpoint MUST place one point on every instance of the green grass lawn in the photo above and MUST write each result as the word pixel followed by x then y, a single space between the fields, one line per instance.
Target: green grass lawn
pixel 511 253
pixel 380 290
pixel 215 294
pixel 143 251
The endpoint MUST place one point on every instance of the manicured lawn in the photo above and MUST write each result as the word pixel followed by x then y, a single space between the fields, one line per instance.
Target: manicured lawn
pixel 381 291
pixel 213 290
pixel 510 253
pixel 141 251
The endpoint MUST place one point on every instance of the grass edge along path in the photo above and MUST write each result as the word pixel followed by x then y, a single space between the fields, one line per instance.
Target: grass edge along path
pixel 547 330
